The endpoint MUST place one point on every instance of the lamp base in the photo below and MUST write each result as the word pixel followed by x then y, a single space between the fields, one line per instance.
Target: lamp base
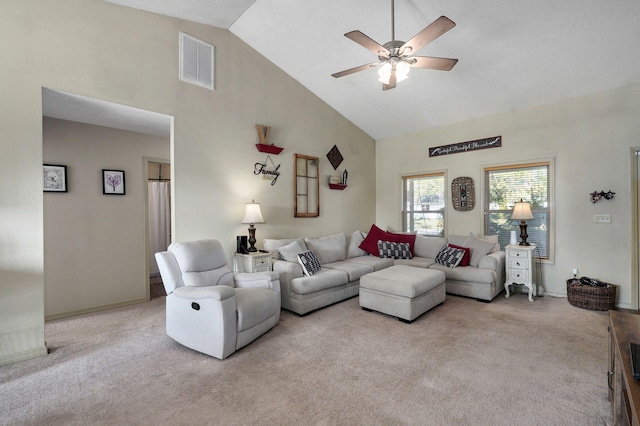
pixel 523 234
pixel 252 239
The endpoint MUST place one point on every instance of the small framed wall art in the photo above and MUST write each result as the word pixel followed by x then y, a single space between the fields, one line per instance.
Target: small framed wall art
pixel 54 178
pixel 113 182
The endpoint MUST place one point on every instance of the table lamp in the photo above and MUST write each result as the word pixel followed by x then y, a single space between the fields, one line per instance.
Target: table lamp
pixel 522 212
pixel 252 215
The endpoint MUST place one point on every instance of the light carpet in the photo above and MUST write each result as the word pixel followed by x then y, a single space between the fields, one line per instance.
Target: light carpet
pixel 508 362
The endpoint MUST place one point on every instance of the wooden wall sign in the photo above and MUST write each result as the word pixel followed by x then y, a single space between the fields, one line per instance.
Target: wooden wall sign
pixel 492 142
pixel 463 194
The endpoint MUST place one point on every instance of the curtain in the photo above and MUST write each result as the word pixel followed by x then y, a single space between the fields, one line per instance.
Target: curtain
pixel 159 221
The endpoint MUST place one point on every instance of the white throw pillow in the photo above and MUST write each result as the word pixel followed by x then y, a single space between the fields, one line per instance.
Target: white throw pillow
pixel 479 248
pixel 290 251
pixel 353 246
pixel 492 238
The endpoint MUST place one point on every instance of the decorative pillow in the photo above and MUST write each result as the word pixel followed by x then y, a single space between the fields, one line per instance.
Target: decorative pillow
pixel 428 246
pixel 467 254
pixel 328 249
pixel 449 256
pixel 309 262
pixel 479 248
pixel 353 245
pixel 409 238
pixel 390 249
pixel 272 245
pixel 290 251
pixel 370 243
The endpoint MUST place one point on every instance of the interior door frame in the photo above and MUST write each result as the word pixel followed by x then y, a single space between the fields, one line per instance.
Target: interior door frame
pixel 635 227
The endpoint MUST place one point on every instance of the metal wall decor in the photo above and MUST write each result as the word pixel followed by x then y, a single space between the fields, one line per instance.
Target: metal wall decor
pixel 267 169
pixel 334 156
pixel 463 194
pixel 596 196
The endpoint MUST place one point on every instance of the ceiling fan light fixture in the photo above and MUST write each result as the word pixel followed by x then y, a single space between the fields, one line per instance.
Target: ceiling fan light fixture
pixel 402 70
pixel 384 73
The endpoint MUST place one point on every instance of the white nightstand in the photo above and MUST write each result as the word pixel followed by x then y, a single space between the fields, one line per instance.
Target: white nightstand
pixel 520 268
pixel 252 262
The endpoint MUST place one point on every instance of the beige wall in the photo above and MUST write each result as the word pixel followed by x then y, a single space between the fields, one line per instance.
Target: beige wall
pixel 105 51
pixel 591 140
pixel 94 244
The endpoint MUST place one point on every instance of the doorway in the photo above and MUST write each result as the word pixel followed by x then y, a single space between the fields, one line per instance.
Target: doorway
pixel 159 219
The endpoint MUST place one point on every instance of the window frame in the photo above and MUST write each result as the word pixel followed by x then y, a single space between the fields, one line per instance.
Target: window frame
pixel 405 213
pixel 550 163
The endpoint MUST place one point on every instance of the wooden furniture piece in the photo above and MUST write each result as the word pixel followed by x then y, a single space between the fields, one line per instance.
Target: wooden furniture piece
pixel 252 262
pixel 520 268
pixel 624 390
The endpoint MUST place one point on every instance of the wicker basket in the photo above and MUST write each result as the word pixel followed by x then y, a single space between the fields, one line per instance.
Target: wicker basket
pixel 597 298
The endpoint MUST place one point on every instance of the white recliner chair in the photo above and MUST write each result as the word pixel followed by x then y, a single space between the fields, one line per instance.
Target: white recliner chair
pixel 209 308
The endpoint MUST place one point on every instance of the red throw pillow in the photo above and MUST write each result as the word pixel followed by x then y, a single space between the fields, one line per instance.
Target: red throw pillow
pixel 403 238
pixel 370 244
pixel 467 255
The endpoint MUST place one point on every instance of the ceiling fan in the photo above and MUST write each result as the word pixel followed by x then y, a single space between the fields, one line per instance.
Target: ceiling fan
pixel 395 56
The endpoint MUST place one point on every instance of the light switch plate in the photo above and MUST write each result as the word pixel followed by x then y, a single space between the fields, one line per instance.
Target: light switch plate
pixel 602 218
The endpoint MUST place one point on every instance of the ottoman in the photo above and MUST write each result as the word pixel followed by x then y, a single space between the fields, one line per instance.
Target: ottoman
pixel 405 292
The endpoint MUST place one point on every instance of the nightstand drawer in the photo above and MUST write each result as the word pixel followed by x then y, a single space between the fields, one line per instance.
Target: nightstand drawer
pixel 520 253
pixel 518 264
pixel 519 275
pixel 261 262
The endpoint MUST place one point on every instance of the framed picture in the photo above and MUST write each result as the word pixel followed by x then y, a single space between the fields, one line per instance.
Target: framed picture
pixel 113 182
pixel 54 178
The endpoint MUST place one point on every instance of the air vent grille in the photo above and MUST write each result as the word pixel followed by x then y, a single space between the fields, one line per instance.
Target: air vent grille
pixel 196 61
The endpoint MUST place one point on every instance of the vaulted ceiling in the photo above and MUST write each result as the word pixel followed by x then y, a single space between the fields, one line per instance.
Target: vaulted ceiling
pixel 512 54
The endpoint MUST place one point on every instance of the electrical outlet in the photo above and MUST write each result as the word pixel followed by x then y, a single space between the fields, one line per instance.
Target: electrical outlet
pixel 602 218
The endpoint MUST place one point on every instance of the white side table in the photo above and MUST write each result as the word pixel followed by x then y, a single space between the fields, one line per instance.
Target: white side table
pixel 252 262
pixel 520 268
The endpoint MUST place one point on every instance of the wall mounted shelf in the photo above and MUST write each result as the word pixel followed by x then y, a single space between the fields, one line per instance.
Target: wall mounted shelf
pixel 271 149
pixel 337 186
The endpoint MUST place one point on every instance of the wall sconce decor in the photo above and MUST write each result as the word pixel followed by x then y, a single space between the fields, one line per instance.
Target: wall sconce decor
pixel 596 196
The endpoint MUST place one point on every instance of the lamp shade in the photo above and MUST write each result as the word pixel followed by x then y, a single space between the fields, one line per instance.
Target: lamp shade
pixel 252 213
pixel 521 211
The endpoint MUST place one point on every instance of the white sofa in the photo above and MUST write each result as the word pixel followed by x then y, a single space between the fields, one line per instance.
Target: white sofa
pixel 343 263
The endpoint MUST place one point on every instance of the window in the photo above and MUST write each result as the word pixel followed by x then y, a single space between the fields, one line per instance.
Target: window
pixel 423 204
pixel 504 185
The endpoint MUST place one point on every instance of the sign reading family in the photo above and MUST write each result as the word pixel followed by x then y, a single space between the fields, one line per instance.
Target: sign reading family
pixel 493 142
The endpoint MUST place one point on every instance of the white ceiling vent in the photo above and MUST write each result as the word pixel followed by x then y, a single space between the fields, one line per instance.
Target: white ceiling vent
pixel 196 61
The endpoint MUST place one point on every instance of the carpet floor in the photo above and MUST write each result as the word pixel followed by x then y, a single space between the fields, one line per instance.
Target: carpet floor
pixel 508 362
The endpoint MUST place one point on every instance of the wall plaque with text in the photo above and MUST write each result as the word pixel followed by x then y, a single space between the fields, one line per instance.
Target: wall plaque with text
pixel 492 142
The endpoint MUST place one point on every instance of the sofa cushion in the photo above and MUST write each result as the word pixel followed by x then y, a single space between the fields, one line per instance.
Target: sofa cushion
pixel 417 262
pixel 467 274
pixel 428 246
pixel 492 238
pixel 353 245
pixel 376 263
pixel 467 254
pixel 353 269
pixel 328 249
pixel 479 248
pixel 394 250
pixel 291 251
pixel 309 262
pixel 324 279
pixel 449 256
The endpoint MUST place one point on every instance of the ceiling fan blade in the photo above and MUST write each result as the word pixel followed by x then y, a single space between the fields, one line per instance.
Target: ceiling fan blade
pixel 442 64
pixel 427 35
pixel 392 82
pixel 354 70
pixel 367 42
